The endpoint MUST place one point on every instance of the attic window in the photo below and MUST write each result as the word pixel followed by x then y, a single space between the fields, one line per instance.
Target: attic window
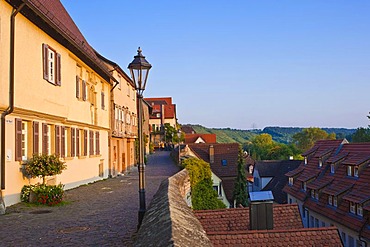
pixel 355 208
pixel 305 160
pixel 320 162
pixel 332 168
pixel 304 186
pixel 291 181
pixel 352 171
pixel 224 162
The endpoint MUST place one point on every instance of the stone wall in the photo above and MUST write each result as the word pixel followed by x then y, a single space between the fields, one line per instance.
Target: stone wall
pixel 169 221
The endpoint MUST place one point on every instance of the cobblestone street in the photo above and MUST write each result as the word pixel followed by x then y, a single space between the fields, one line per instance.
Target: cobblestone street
pixel 98 214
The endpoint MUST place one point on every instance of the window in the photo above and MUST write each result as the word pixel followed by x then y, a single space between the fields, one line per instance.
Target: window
pixel 359 210
pixel 349 170
pixel 320 162
pixel 323 224
pixel 51 65
pixel 313 194
pixel 335 201
pixel 84 145
pixel 355 171
pixel 36 137
pixel 351 241
pixel 119 82
pixel 330 200
pixel 312 221
pixel 91 139
pixel 352 207
pixel 46 139
pixel 224 162
pixel 97 143
pixel 332 168
pixel 316 195
pixel 291 181
pixel 344 239
pixel 24 140
pixel 102 100
pixel 317 223
pixel 305 160
pixel 304 186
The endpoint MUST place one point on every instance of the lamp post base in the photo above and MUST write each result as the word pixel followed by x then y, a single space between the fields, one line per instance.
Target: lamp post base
pixel 142 209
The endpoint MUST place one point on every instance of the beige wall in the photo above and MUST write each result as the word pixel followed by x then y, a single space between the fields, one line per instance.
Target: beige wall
pixel 38 100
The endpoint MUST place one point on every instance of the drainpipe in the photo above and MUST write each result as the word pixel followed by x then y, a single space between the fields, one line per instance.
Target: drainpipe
pixel 10 108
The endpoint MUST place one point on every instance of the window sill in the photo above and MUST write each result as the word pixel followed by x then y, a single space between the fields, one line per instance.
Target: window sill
pixel 82 157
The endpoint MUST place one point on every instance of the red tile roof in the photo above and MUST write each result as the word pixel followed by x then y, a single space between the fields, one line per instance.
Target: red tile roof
pixel 169 109
pixel 317 237
pixel 286 216
pixel 207 138
pixel 346 188
pixel 222 151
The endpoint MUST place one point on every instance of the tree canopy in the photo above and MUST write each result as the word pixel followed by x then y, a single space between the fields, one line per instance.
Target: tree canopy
pixel 306 139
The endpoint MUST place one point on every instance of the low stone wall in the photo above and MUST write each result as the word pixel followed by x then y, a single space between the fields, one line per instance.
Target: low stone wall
pixel 169 221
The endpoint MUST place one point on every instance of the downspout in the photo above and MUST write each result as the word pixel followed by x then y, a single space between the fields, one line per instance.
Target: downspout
pixel 10 108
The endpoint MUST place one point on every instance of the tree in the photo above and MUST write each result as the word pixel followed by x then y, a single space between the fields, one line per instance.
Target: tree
pixel 307 138
pixel 262 147
pixel 42 165
pixel 361 135
pixel 203 196
pixel 240 188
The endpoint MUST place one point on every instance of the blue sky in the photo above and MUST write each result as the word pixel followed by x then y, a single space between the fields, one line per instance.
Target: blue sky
pixel 243 64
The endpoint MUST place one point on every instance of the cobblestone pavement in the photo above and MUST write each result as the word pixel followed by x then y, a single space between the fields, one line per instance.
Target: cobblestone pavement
pixel 98 214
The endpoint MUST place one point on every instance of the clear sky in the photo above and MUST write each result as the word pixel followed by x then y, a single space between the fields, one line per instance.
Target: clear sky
pixel 243 64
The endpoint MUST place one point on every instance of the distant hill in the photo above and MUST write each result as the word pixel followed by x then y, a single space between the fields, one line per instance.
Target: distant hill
pixel 279 134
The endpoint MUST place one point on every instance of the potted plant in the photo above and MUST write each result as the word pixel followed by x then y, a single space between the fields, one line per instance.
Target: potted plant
pixel 42 165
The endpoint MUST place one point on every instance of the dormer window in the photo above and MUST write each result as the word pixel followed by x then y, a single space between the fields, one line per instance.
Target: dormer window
pixel 330 200
pixel 352 207
pixel 356 208
pixel 291 181
pixel 359 210
pixel 305 160
pixel 333 201
pixel 355 171
pixel 352 171
pixel 313 194
pixel 320 162
pixel 304 186
pixel 332 168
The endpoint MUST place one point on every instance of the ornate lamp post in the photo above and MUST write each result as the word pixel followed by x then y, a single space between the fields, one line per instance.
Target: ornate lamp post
pixel 139 69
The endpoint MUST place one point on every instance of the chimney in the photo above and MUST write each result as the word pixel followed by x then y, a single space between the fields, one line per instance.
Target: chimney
pixel 261 215
pixel 211 154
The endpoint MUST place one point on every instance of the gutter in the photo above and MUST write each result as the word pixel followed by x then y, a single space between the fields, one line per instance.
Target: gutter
pixel 10 108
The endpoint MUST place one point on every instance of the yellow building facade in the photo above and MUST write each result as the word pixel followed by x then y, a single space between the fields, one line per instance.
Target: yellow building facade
pixel 124 121
pixel 61 100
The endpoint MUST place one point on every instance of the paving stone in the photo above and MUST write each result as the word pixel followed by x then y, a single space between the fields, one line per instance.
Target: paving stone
pixel 98 214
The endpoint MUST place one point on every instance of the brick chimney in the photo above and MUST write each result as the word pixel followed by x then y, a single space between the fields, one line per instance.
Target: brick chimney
pixel 211 154
pixel 261 215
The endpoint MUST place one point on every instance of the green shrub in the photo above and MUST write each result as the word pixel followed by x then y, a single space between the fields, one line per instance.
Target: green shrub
pixel 203 196
pixel 26 191
pixel 42 165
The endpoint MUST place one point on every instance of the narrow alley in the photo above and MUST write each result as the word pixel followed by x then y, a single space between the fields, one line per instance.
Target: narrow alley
pixel 98 214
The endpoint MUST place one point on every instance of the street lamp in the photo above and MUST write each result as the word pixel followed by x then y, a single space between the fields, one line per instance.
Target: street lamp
pixel 179 136
pixel 139 69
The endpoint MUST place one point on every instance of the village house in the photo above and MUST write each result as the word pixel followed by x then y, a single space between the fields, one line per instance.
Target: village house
pixel 163 112
pixel 331 187
pixel 59 96
pixel 123 121
pixel 269 175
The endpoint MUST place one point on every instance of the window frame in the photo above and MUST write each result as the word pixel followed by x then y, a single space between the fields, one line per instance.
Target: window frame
pixel 51 65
